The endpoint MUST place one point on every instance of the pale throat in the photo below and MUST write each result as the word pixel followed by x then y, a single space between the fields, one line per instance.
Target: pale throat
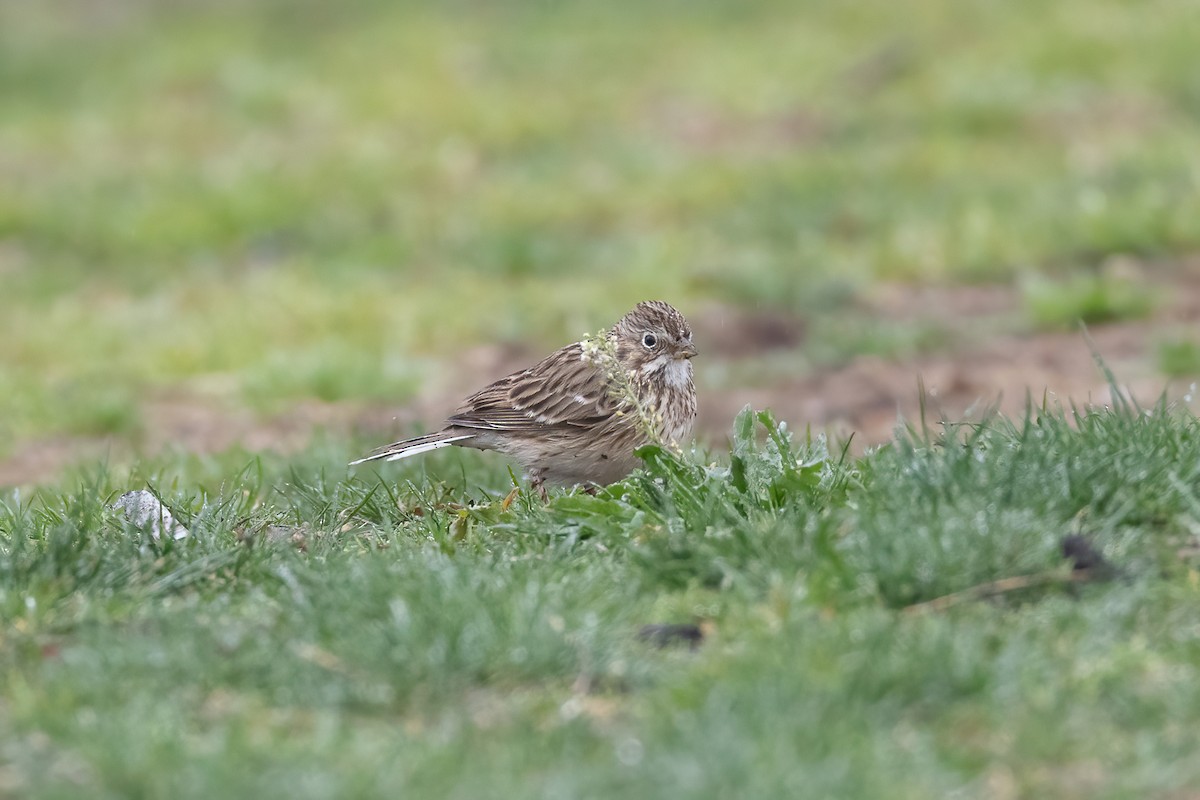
pixel 676 372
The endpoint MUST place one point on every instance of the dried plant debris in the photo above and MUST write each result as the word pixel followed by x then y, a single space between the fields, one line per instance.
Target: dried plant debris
pixel 670 634
pixel 1086 558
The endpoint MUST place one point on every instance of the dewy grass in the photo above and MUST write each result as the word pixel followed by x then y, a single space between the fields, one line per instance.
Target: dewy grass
pixel 324 633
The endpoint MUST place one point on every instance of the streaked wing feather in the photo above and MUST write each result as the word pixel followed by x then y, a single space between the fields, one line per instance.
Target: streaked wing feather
pixel 560 390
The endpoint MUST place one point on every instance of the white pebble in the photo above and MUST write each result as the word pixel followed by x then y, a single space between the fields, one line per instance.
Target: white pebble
pixel 145 510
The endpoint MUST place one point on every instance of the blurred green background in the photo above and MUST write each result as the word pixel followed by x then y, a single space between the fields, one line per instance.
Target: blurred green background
pixel 265 203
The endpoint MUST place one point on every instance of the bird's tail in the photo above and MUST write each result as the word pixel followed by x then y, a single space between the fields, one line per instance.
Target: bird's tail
pixel 414 447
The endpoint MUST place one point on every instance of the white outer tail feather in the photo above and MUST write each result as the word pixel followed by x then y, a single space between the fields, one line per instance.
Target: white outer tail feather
pixel 413 450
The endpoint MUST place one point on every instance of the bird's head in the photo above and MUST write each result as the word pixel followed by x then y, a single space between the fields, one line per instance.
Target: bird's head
pixel 655 338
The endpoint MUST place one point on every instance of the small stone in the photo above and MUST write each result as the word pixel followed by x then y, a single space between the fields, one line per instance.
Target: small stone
pixel 145 510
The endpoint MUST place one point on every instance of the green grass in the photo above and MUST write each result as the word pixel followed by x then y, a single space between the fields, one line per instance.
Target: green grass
pixel 1179 357
pixel 272 183
pixel 426 641
pixel 1096 298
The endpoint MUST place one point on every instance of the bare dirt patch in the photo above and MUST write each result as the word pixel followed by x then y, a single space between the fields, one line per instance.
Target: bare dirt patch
pixel 868 395
pixel 865 396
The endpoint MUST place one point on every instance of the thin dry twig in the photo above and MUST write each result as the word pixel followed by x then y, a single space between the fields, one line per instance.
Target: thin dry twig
pixel 1000 587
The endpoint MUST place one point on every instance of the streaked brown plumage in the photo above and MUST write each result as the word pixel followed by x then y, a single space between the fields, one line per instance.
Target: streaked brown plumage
pixel 577 415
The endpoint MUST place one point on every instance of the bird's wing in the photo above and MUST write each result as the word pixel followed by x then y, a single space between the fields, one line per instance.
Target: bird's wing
pixel 562 390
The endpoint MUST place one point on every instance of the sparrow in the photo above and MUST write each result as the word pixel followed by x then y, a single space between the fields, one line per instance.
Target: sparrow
pixel 577 416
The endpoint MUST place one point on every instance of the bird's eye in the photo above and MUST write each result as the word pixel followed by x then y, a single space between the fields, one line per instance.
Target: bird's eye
pixel 650 341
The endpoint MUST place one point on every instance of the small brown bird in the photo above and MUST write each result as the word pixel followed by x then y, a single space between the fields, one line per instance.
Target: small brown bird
pixel 577 415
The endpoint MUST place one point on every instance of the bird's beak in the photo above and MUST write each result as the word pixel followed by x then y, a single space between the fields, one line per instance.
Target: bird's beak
pixel 687 351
